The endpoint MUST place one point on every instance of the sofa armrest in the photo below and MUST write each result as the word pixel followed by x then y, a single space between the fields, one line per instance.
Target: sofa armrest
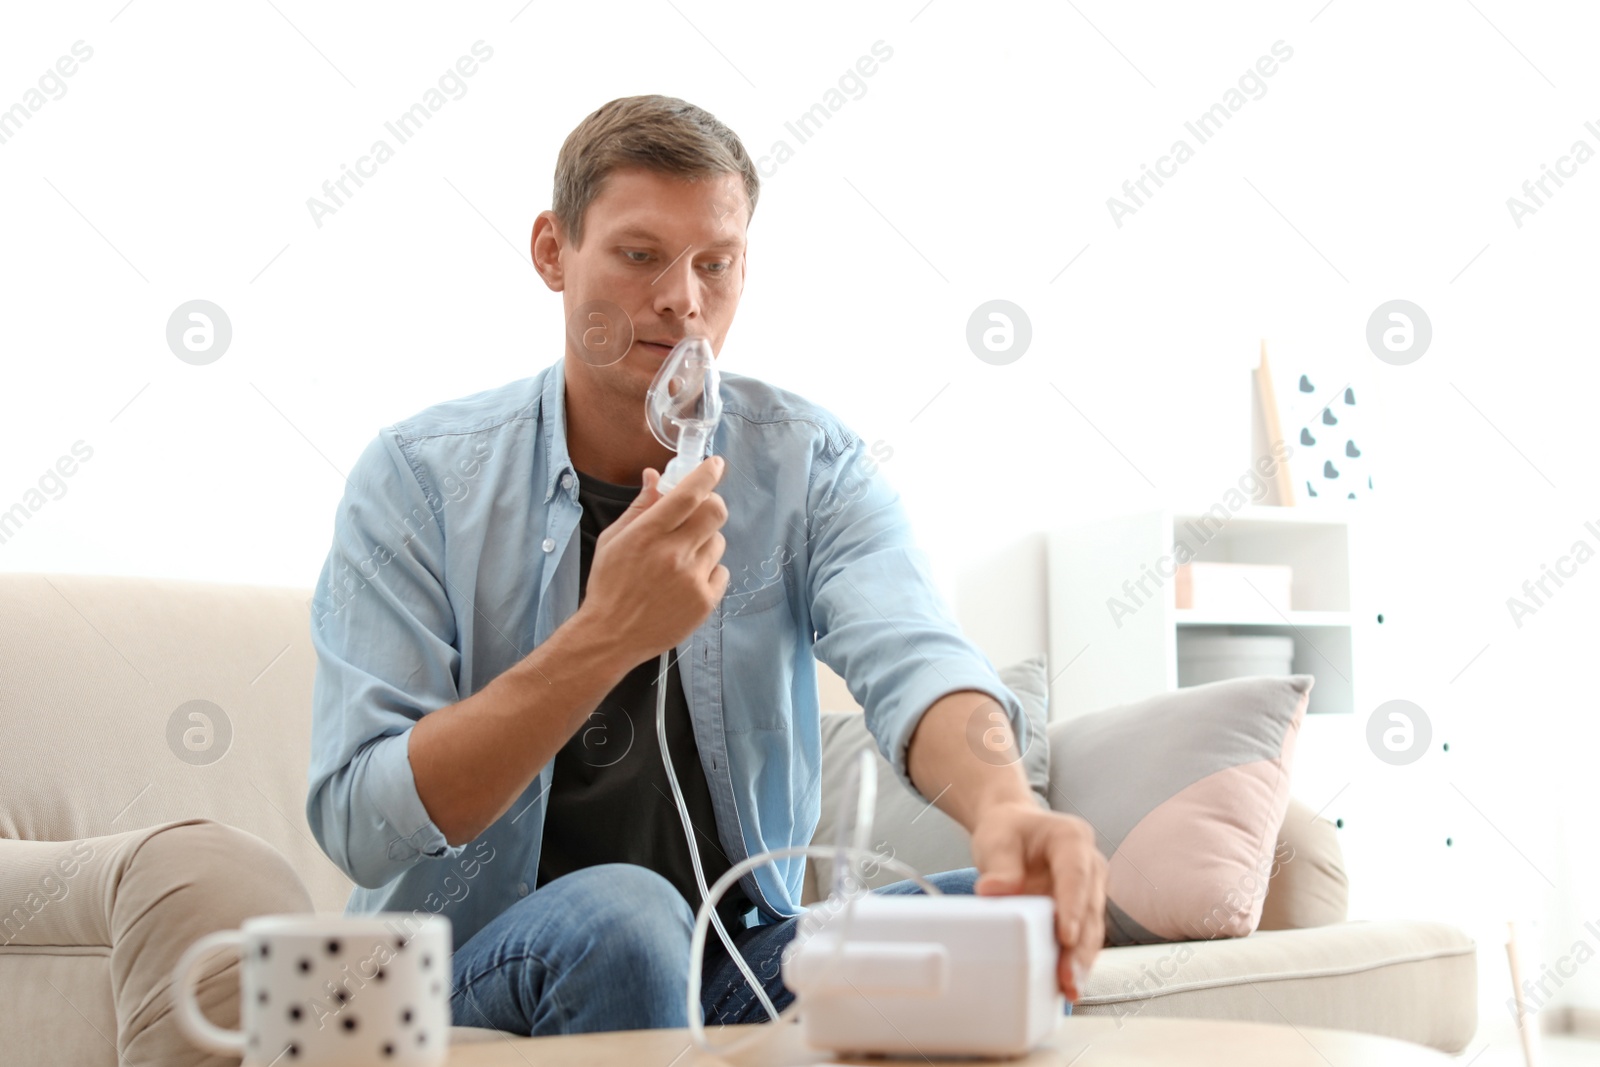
pixel 1308 886
pixel 140 898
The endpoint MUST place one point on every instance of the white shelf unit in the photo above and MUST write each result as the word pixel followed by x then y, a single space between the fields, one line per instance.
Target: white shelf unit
pixel 1115 629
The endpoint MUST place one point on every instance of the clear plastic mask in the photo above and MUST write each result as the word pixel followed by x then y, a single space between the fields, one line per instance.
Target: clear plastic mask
pixel 684 405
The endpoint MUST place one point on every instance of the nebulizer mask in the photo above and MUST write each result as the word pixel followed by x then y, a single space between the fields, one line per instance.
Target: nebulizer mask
pixel 684 405
pixel 965 975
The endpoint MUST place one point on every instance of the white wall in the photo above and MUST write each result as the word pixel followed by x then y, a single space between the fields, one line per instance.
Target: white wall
pixel 977 165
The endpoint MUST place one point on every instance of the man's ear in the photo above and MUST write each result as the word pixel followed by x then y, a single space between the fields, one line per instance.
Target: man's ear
pixel 545 248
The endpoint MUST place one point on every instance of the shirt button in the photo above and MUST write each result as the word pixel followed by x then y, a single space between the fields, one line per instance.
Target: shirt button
pixel 549 544
pixel 522 889
pixel 566 481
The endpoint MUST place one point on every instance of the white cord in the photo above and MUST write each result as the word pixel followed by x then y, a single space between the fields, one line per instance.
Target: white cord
pixel 697 1029
pixel 866 799
pixel 694 850
pixel 866 793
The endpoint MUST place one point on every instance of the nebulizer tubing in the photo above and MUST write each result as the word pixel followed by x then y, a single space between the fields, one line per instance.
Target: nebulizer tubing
pixel 682 408
pixel 697 944
pixel 844 894
pixel 694 850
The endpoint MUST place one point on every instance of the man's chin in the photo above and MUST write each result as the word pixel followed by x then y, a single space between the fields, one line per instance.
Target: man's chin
pixel 629 376
pixel 598 366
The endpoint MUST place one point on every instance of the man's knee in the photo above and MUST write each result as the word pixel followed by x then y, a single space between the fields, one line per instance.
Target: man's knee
pixel 961 881
pixel 627 913
pixel 616 891
pixel 602 948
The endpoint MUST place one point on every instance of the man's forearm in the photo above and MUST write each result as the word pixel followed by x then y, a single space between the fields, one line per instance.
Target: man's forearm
pixel 963 754
pixel 472 759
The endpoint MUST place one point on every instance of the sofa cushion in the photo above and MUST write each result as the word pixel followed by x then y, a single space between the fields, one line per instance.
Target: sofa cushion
pixel 1417 981
pixel 905 826
pixel 1186 791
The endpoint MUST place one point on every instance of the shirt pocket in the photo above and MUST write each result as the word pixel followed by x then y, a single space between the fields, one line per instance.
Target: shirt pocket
pixel 755 636
pixel 741 603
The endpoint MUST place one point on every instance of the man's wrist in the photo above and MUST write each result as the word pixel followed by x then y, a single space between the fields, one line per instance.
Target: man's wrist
pixel 950 757
pixel 1006 795
pixel 586 634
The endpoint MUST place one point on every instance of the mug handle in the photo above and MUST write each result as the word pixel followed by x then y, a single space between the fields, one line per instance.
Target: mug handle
pixel 195 1026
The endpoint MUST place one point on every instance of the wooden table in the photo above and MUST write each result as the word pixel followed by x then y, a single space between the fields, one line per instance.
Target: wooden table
pixel 1087 1041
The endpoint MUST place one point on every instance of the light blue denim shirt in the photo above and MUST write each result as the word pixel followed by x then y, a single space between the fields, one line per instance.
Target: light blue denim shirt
pixel 455 553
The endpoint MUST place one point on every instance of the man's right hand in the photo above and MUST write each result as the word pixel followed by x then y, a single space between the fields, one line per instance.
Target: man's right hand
pixel 657 572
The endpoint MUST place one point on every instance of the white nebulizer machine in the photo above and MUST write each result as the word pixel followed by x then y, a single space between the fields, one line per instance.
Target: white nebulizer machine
pixel 882 975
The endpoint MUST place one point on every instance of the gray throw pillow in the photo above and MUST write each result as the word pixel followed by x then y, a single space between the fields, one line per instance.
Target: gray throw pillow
pixel 905 826
pixel 1186 792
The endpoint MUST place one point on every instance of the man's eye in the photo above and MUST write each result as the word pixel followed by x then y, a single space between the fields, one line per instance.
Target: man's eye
pixel 718 267
pixel 636 257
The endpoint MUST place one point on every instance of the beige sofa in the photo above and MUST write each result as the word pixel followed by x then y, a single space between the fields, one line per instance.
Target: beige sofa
pixel 128 828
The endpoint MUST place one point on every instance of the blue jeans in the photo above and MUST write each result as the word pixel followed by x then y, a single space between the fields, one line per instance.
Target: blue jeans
pixel 607 948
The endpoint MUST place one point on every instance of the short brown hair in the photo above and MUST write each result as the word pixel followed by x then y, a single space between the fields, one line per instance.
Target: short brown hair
pixel 659 133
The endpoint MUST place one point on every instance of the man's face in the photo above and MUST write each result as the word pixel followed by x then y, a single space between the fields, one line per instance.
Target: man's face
pixel 671 253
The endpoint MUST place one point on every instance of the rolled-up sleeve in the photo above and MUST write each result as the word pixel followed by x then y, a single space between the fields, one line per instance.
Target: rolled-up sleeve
pixel 384 635
pixel 880 620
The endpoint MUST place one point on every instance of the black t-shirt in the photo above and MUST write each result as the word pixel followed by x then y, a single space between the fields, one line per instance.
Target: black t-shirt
pixel 610 801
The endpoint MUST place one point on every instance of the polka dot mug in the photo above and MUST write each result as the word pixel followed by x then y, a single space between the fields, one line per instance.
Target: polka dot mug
pixel 317 988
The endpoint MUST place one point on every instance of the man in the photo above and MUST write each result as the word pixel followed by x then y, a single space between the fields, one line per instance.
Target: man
pixel 505 575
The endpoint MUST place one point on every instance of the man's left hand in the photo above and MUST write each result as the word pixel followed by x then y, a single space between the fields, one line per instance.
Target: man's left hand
pixel 1021 848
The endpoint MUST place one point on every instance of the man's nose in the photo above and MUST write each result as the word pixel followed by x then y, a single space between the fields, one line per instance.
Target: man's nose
pixel 676 290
